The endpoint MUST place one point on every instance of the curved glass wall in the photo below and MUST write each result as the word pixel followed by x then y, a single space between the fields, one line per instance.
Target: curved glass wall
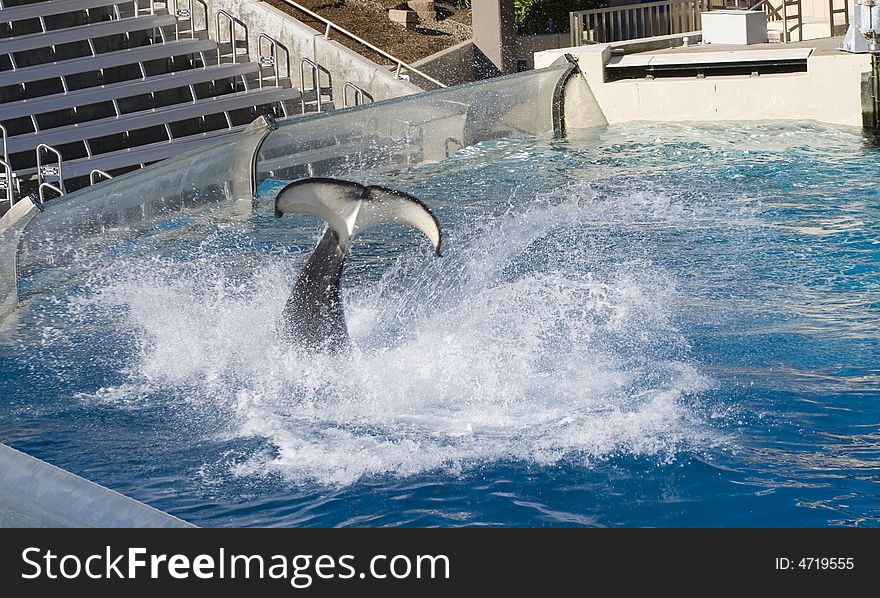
pixel 44 243
pixel 41 244
pixel 400 133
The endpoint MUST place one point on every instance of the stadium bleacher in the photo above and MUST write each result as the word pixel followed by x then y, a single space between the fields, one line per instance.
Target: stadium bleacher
pixel 114 85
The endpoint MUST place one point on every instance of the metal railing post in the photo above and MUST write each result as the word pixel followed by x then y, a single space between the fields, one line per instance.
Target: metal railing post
pixel 5 134
pixel 46 170
pixel 184 14
pixel 8 182
pixel 234 24
pixel 272 59
pixel 359 95
pixel 315 69
pixel 96 173
pixel 189 13
pixel 223 13
pixel 633 21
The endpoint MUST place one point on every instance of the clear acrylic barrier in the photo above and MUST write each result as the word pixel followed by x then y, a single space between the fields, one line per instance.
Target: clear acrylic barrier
pixel 403 132
pixel 66 235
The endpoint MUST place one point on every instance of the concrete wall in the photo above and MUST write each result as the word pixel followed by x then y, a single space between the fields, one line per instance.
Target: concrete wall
pixel 830 91
pixel 304 42
pixel 458 64
pixel 527 45
pixel 453 65
pixel 494 31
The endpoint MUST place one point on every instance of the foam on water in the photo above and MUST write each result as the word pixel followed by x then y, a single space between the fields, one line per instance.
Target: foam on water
pixel 643 326
pixel 517 345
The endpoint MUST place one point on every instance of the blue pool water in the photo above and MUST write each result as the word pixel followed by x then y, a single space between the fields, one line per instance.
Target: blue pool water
pixel 643 326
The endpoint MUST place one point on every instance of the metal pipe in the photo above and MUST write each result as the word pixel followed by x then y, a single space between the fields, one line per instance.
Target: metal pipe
pixel 8 182
pixel 44 170
pixel 330 25
pixel 97 173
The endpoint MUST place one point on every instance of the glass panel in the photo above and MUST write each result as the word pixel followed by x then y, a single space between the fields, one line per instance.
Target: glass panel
pixel 400 133
pixel 75 229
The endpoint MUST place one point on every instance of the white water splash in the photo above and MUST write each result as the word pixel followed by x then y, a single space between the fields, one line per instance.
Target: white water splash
pixel 471 362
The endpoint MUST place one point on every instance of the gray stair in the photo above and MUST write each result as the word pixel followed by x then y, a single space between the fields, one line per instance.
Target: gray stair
pixel 341 149
pixel 34 41
pixel 148 118
pixel 124 89
pixel 104 61
pixel 36 10
pixel 110 109
pixel 136 156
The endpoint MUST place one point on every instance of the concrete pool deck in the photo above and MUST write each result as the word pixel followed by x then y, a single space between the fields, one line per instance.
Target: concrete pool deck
pixel 809 80
pixel 34 493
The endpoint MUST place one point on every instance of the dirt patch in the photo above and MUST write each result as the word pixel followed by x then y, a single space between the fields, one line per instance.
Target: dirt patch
pixel 368 19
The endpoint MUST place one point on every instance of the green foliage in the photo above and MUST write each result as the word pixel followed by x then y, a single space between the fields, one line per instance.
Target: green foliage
pixel 532 16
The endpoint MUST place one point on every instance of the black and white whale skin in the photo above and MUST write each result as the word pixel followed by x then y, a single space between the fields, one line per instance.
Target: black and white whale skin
pixel 313 317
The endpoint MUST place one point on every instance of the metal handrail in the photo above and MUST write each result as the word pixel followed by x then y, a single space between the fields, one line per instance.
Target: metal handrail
pixel 137 7
pixel 316 70
pixel 271 59
pixel 359 95
pixel 54 188
pixel 189 14
pixel 618 23
pixel 780 13
pixel 836 11
pixel 767 7
pixel 329 26
pixel 8 182
pixel 233 21
pixel 44 170
pixel 96 173
pixel 9 174
pixel 5 134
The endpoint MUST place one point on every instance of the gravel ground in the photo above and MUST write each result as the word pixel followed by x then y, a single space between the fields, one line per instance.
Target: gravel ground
pixel 369 20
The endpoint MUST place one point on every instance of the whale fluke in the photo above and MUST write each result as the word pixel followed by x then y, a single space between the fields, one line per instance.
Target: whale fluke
pixel 313 315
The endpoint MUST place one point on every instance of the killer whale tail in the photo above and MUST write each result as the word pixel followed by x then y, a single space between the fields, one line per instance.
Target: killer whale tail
pixel 313 315
pixel 350 208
